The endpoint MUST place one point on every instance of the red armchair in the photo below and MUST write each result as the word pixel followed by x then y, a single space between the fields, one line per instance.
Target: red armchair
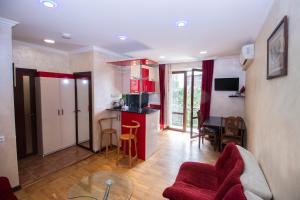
pixel 5 190
pixel 199 181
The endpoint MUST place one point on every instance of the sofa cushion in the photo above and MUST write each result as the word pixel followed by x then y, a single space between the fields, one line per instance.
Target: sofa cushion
pixel 184 191
pixel 236 192
pixel 251 196
pixel 227 161
pixel 253 178
pixel 232 179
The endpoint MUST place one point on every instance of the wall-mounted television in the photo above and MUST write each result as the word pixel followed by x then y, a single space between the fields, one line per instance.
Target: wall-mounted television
pixel 226 84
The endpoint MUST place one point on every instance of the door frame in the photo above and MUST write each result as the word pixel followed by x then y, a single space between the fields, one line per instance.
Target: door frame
pixel 192 102
pixel 88 75
pixel 19 114
pixel 184 101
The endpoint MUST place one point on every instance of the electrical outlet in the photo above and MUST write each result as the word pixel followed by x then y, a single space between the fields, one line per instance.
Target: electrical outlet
pixel 2 139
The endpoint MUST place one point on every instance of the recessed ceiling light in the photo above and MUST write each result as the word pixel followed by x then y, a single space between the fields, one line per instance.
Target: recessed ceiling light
pixel 203 52
pixel 181 23
pixel 162 57
pixel 66 35
pixel 49 3
pixel 49 41
pixel 122 37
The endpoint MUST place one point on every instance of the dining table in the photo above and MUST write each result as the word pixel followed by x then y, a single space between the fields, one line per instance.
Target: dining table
pixel 215 123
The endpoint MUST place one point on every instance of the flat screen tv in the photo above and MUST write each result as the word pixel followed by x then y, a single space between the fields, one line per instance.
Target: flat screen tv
pixel 227 84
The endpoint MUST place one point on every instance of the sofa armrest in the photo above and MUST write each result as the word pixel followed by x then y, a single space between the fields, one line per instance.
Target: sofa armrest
pixel 198 174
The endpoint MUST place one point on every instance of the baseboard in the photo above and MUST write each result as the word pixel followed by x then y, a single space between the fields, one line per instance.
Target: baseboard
pixel 16 188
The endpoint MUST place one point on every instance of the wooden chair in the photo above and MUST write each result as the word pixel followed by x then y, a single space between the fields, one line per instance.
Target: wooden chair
pixel 107 131
pixel 206 132
pixel 128 137
pixel 233 131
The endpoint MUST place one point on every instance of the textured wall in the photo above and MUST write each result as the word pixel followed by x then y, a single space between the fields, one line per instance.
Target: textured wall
pixel 8 153
pixel 40 58
pixel 82 62
pixel 221 104
pixel 106 86
pixel 273 107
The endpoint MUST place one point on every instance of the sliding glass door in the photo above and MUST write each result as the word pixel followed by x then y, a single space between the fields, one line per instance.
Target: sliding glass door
pixel 178 100
pixel 185 100
pixel 195 98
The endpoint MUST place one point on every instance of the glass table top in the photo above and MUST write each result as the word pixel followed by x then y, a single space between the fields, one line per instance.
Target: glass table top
pixel 96 186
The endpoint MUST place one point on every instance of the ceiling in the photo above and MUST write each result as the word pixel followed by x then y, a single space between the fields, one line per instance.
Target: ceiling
pixel 220 27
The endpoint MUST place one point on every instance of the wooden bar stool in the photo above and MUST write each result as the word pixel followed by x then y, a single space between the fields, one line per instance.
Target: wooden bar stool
pixel 109 132
pixel 128 137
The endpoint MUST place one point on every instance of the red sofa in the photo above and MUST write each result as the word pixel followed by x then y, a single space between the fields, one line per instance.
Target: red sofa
pixel 200 181
pixel 5 190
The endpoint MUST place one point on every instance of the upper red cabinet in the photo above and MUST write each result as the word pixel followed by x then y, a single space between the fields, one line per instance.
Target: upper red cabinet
pixel 145 74
pixel 147 85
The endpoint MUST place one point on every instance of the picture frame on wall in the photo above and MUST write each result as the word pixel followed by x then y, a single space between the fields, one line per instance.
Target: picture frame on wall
pixel 277 55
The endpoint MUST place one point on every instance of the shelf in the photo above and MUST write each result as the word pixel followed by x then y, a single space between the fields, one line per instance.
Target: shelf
pixel 236 96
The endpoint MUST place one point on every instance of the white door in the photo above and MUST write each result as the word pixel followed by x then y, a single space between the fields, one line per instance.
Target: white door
pixel 83 111
pixel 50 104
pixel 67 117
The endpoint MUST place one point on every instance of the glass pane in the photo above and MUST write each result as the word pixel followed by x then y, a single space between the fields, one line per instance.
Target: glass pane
pixel 83 112
pixel 27 114
pixel 188 102
pixel 196 100
pixel 177 100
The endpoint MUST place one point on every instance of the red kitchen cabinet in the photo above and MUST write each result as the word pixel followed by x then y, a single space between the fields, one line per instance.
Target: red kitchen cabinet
pixel 147 85
pixel 151 86
pixel 145 73
pixel 134 86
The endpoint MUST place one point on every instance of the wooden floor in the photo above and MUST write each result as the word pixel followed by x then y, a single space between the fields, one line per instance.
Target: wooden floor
pixel 149 177
pixel 34 167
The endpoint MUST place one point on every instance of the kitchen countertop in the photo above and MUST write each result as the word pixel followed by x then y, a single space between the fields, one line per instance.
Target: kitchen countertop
pixel 134 110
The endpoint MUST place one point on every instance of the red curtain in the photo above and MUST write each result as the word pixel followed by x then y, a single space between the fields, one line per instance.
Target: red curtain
pixel 162 93
pixel 207 76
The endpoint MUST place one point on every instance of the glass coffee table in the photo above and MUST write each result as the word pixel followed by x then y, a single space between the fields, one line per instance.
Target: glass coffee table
pixel 102 185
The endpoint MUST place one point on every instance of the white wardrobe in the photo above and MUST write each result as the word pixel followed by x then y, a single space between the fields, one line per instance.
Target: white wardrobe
pixel 55 113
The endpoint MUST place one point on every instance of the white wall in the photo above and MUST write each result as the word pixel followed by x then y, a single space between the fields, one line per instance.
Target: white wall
pixel 221 104
pixel 8 149
pixel 273 107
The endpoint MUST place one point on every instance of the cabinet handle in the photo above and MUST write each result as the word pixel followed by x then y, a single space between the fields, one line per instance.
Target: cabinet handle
pixel 58 112
pixel 62 111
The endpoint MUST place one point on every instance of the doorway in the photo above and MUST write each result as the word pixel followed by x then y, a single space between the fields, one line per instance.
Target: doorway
pixel 185 100
pixel 83 110
pixel 178 106
pixel 25 112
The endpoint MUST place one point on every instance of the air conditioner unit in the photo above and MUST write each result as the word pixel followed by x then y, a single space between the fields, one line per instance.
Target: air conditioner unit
pixel 247 55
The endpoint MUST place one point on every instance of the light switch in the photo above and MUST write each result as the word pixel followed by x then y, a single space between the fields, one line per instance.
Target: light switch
pixel 2 139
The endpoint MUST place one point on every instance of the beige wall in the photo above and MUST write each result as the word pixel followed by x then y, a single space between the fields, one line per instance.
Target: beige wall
pixel 31 56
pixel 106 84
pixel 106 87
pixel 8 153
pixel 273 107
pixel 82 62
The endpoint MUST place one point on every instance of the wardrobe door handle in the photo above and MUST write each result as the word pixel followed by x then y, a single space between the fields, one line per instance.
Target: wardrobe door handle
pixel 58 111
pixel 62 111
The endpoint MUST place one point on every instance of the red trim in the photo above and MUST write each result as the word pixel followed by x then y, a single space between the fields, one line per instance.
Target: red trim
pixel 143 61
pixel 54 75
